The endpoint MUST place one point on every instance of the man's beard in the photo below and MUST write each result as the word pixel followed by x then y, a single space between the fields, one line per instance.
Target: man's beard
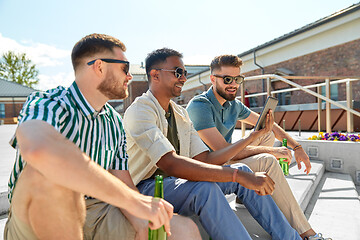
pixel 225 96
pixel 112 90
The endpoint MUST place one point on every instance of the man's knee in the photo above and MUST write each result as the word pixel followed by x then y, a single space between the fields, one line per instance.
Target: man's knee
pixel 241 167
pixel 183 228
pixel 33 187
pixel 269 160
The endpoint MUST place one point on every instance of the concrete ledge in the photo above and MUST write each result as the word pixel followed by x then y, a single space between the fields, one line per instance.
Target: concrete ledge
pixel 4 203
pixel 335 208
pixel 302 185
pixel 340 157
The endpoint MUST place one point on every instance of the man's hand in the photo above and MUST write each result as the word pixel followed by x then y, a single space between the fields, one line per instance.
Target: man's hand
pixel 260 182
pixel 301 156
pixel 158 211
pixel 269 123
pixel 282 152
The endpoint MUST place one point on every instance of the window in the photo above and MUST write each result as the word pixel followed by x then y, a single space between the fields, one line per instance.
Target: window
pixel 2 110
pixel 333 92
pixel 284 98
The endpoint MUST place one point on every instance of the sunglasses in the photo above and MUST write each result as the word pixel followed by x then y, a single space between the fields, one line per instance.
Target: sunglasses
pixel 178 72
pixel 229 79
pixel 109 60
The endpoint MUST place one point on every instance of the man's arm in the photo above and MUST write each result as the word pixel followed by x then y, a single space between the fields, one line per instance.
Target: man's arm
pixel 213 138
pixel 194 170
pixel 280 134
pixel 63 163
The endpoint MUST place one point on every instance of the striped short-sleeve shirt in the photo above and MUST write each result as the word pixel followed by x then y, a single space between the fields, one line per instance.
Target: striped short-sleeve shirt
pixel 100 135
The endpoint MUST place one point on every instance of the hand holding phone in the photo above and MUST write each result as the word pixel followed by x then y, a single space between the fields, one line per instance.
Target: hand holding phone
pixel 270 104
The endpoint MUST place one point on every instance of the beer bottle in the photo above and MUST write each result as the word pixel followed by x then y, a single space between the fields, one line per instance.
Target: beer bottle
pixel 284 165
pixel 158 234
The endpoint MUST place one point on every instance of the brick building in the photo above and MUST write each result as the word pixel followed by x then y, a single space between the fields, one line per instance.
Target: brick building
pixel 12 98
pixel 328 47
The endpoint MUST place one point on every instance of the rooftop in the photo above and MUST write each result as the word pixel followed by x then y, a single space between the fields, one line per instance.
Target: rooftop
pixel 12 89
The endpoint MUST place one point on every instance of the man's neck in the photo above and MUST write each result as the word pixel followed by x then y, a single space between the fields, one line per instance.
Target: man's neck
pixel 220 99
pixel 96 99
pixel 163 100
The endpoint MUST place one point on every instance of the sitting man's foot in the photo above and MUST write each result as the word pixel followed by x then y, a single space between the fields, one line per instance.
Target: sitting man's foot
pixel 318 236
pixel 238 202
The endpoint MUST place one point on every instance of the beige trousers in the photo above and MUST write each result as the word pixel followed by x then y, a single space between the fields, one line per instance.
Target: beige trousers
pixel 282 195
pixel 103 222
pixel 15 229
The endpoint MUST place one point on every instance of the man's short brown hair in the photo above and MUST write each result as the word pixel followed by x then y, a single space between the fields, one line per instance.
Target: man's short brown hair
pixel 92 44
pixel 225 60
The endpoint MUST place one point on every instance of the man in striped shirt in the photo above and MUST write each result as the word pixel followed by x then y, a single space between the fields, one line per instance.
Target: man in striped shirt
pixel 71 143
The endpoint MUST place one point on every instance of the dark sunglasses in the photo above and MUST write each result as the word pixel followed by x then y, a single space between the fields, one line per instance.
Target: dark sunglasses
pixel 229 79
pixel 109 60
pixel 178 72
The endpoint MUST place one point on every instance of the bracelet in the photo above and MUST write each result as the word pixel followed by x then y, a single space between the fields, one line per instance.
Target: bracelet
pixel 234 174
pixel 297 147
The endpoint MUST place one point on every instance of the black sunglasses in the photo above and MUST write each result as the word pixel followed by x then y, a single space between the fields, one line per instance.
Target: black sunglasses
pixel 109 60
pixel 229 79
pixel 178 72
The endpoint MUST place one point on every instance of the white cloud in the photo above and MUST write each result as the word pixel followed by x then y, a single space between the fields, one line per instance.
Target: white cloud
pixel 46 57
pixel 47 82
pixel 42 55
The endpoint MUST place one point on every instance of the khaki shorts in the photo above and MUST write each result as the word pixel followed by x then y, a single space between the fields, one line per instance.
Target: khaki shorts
pixel 103 221
pixel 15 229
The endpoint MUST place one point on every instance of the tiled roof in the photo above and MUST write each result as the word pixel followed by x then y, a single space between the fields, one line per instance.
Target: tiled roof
pixel 137 69
pixel 341 13
pixel 12 89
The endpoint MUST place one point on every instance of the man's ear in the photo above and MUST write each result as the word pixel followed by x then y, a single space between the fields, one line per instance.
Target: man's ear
pixel 212 79
pixel 98 68
pixel 154 74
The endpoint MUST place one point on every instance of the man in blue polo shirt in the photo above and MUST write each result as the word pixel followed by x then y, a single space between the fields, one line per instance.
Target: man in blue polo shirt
pixel 215 114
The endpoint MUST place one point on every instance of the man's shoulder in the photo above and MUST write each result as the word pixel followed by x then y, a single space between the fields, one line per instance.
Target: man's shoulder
pixel 142 101
pixel 58 94
pixel 140 104
pixel 203 97
pixel 201 100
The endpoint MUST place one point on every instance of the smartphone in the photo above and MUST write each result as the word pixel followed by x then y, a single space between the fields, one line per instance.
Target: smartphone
pixel 270 104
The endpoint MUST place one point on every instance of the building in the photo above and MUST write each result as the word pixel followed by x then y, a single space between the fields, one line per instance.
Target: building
pixel 139 83
pixel 12 98
pixel 329 47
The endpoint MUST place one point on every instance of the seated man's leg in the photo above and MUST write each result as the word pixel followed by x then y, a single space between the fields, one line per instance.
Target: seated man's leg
pixel 203 199
pixel 282 195
pixel 262 208
pixel 41 209
pixel 104 221
pixel 183 228
pixel 265 140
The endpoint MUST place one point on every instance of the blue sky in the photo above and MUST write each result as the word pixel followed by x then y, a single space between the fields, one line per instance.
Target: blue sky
pixel 47 30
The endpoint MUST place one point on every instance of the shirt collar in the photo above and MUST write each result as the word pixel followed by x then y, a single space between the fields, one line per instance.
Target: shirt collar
pixel 83 104
pixel 211 96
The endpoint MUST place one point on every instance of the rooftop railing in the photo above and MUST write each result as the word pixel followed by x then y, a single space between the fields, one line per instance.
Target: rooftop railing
pixel 297 87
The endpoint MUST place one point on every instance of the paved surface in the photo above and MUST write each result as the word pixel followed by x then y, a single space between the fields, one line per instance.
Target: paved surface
pixel 7 154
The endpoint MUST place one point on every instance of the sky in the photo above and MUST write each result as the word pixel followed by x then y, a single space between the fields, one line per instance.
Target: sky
pixel 47 30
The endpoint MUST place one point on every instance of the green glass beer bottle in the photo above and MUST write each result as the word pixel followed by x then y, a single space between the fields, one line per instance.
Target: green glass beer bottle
pixel 284 165
pixel 158 234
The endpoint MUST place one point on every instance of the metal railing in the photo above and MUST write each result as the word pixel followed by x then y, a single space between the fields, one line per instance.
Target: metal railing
pixel 349 97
